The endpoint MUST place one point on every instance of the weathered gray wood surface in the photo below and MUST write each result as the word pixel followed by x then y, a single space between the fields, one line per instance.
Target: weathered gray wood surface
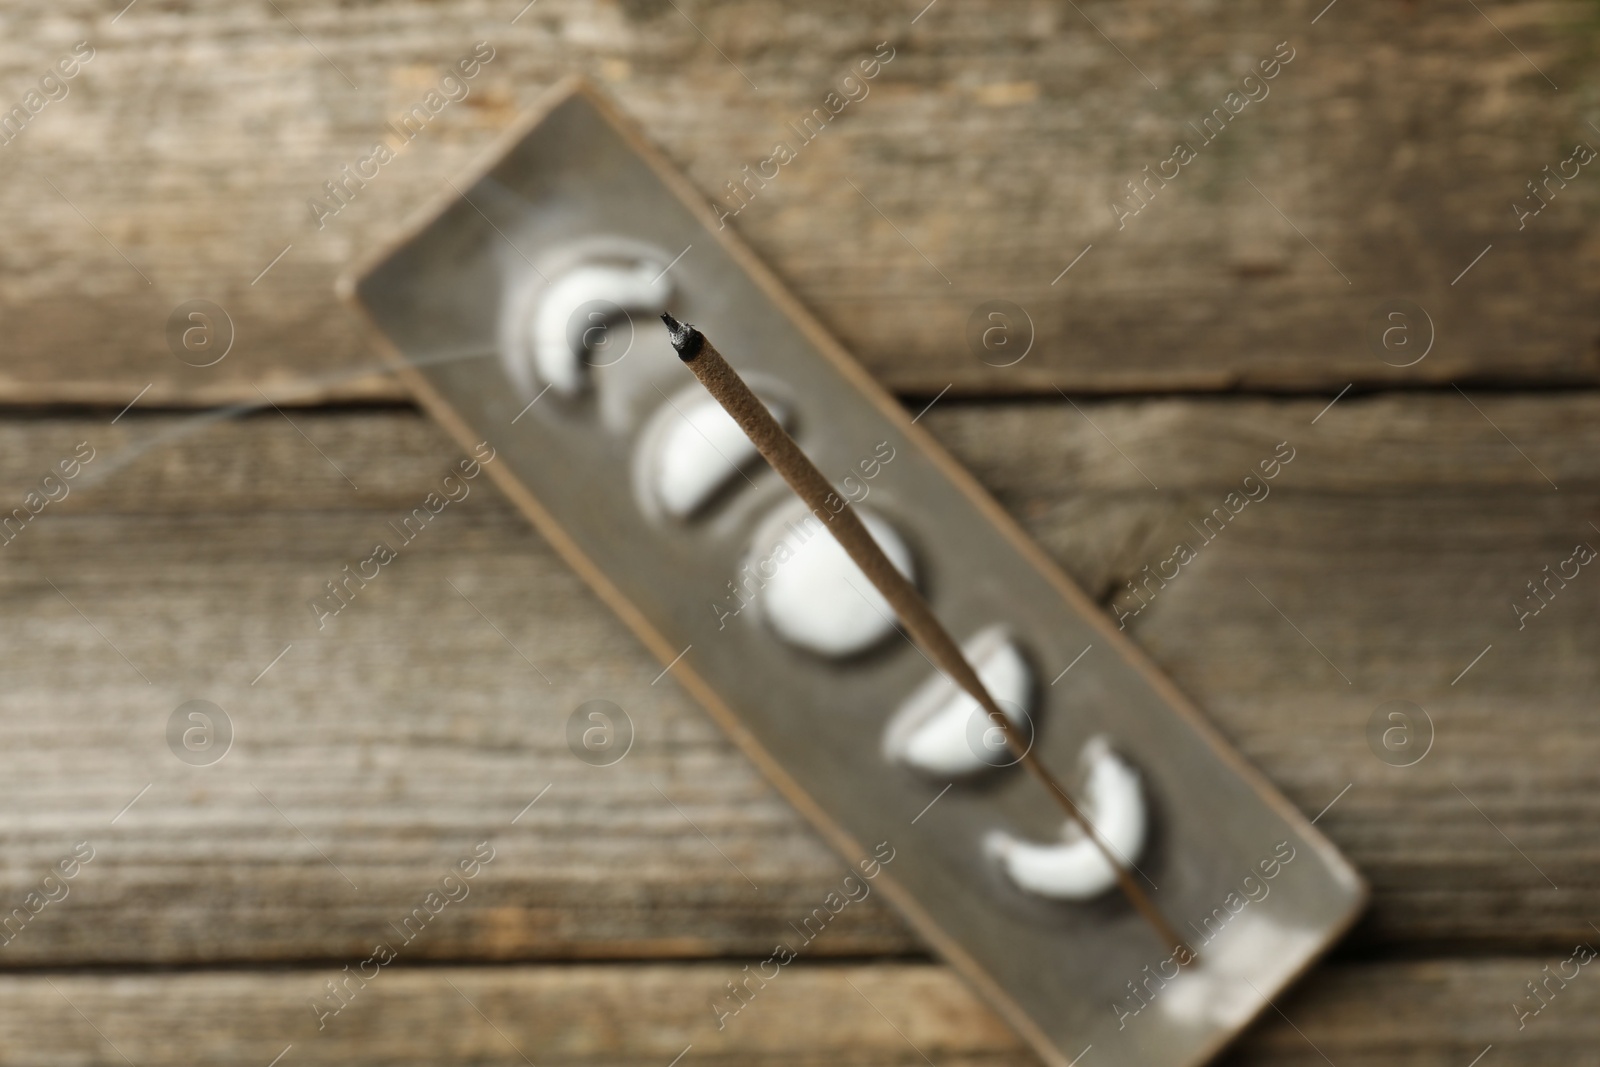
pixel 1375 1014
pixel 383 747
pixel 371 755
pixel 1385 159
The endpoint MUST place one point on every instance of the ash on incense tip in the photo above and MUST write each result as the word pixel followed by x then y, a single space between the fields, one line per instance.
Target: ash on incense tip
pixel 686 340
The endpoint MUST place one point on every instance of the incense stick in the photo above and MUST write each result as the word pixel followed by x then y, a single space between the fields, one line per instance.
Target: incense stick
pixel 924 628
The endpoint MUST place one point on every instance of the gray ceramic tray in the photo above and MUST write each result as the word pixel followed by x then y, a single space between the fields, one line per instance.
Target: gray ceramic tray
pixel 576 179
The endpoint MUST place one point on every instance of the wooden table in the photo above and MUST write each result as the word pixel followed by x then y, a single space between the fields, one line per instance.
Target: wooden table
pixel 368 757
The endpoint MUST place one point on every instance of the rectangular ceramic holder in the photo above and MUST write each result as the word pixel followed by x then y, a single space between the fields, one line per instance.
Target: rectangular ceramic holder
pixel 456 297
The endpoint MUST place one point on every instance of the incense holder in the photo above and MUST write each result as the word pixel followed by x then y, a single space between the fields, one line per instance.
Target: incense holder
pixel 522 313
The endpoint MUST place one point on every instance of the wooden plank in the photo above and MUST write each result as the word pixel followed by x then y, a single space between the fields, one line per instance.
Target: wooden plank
pixel 1419 1014
pixel 383 747
pixel 986 157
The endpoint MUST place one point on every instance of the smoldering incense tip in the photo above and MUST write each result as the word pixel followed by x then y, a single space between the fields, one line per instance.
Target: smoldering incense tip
pixel 686 340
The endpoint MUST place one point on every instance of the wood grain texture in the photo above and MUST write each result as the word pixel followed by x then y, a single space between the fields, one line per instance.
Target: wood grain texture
pixel 1424 1014
pixel 376 752
pixel 986 156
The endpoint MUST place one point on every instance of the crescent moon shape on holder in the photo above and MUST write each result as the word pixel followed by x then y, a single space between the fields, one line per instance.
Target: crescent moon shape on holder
pixel 933 730
pixel 558 347
pixel 1074 868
